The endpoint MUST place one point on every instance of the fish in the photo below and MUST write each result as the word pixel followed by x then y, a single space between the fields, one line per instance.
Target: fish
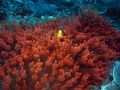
pixel 60 34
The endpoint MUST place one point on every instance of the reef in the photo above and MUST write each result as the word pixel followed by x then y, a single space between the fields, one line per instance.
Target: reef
pixel 36 59
pixel 36 11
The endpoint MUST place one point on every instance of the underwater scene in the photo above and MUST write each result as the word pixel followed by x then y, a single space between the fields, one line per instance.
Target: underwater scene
pixel 59 44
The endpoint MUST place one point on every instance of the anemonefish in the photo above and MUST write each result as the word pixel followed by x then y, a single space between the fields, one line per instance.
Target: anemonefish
pixel 60 34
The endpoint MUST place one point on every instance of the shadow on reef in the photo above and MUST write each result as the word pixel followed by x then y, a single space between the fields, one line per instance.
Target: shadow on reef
pixel 114 13
pixel 2 16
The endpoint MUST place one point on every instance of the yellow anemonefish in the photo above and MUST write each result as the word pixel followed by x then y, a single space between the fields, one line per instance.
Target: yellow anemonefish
pixel 60 34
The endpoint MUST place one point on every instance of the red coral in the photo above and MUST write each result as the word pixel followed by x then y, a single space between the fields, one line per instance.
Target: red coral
pixel 35 59
pixel 6 46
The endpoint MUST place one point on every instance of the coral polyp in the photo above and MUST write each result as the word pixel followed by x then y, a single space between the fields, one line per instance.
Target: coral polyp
pixel 34 59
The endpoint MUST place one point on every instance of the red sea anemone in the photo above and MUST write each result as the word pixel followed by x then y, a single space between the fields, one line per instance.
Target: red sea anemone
pixel 35 59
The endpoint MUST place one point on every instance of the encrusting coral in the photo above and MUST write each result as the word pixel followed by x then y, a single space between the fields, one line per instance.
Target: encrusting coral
pixel 34 59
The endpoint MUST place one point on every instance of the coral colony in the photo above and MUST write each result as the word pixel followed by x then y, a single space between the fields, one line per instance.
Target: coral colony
pixel 78 57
